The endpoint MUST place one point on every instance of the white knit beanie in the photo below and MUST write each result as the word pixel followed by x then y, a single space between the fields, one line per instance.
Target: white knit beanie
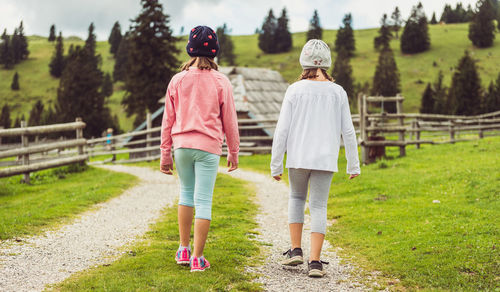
pixel 315 54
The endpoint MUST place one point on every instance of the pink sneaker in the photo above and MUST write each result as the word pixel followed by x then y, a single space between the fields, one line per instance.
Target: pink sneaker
pixel 199 264
pixel 182 256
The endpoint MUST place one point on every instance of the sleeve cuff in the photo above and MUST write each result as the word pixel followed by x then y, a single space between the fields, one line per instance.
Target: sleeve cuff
pixel 232 157
pixel 166 157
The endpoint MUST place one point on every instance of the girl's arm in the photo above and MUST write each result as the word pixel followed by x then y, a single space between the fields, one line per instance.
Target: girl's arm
pixel 166 129
pixel 281 136
pixel 349 136
pixel 230 125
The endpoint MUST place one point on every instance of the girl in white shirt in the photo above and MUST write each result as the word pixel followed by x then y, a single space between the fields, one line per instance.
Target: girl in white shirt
pixel 314 114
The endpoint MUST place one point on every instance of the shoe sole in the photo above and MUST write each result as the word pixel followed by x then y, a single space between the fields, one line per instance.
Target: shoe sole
pixel 295 261
pixel 200 270
pixel 316 273
pixel 183 263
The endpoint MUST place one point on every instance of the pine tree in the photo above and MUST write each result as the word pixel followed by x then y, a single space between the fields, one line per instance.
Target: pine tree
pixel 440 95
pixel 267 34
pixel 36 114
pixel 482 29
pixel 121 60
pixel 342 72
pixel 491 100
pixel 433 19
pixel 152 59
pixel 6 54
pixel 17 123
pixel 384 37
pixel 57 63
pixel 115 37
pixel 5 120
pixel 52 35
pixel 49 117
pixel 386 78
pixel 15 46
pixel 396 21
pixel 283 37
pixel 226 54
pixel 345 37
pixel 107 85
pixel 415 37
pixel 465 91
pixel 15 82
pixel 315 31
pixel 23 43
pixel 427 106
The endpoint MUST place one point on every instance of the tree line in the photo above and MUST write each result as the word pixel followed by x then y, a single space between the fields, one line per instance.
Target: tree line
pixel 13 48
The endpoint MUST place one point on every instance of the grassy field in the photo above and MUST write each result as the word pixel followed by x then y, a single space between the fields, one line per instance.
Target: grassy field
pixel 55 195
pixel 150 265
pixel 386 220
pixel 448 43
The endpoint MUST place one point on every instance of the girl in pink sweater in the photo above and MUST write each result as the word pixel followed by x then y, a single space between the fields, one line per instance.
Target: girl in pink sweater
pixel 199 110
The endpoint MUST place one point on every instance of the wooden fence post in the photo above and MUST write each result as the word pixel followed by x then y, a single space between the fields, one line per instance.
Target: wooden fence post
pixel 399 110
pixel 26 157
pixel 452 131
pixel 481 134
pixel 1 127
pixel 362 127
pixel 417 133
pixel 79 135
pixel 148 135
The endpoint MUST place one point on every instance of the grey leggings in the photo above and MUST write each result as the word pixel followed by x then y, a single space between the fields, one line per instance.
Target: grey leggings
pixel 319 189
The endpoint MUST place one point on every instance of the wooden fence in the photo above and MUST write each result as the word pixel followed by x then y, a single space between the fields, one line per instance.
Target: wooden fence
pixel 28 162
pixel 411 127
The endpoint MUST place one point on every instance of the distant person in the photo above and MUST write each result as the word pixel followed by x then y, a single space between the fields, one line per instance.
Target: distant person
pixel 199 110
pixel 314 113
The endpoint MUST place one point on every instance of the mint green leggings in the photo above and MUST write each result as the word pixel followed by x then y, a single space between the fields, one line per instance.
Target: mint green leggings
pixel 197 172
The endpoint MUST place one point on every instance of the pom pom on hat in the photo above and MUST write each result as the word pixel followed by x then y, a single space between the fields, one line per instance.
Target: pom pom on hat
pixel 202 42
pixel 315 54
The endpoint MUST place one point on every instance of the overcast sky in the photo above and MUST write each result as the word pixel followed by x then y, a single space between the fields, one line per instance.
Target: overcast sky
pixel 73 17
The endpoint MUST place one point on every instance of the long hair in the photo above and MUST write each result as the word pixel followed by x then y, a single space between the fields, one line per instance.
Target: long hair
pixel 204 63
pixel 313 73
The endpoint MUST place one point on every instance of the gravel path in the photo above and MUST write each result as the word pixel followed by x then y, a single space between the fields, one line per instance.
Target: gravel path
pixel 272 196
pixel 93 238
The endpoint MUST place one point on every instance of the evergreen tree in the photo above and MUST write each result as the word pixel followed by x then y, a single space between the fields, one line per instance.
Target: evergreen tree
pixel 465 91
pixel 482 29
pixel 384 37
pixel 427 106
pixel 315 31
pixel 90 42
pixel 283 37
pixel 36 114
pixel 440 96
pixel 386 78
pixel 5 120
pixel 121 60
pixel 226 53
pixel 49 117
pixel 415 37
pixel 15 46
pixel 396 21
pixel 491 101
pixel 107 85
pixel 52 35
pixel 448 14
pixel 17 123
pixel 115 37
pixel 152 59
pixel 345 37
pixel 23 43
pixel 433 19
pixel 267 34
pixel 15 82
pixel 6 54
pixel 342 72
pixel 57 63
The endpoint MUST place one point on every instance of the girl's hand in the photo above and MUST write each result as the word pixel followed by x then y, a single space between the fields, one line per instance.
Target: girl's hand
pixel 232 165
pixel 353 175
pixel 277 177
pixel 167 168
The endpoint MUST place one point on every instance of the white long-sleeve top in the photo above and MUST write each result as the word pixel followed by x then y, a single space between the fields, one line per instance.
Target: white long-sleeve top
pixel 313 116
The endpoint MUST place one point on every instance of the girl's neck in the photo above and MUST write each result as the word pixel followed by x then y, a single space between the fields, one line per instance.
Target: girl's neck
pixel 319 76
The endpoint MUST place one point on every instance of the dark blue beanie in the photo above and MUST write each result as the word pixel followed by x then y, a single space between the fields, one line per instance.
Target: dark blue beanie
pixel 202 42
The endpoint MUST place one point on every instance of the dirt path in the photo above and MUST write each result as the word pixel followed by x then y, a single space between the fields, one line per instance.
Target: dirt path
pixel 272 197
pixel 92 239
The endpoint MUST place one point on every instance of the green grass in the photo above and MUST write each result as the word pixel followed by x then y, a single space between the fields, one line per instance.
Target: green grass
pixel 386 220
pixel 53 196
pixel 150 266
pixel 448 43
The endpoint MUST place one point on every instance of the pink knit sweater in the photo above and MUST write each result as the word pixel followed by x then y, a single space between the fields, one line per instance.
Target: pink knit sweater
pixel 199 110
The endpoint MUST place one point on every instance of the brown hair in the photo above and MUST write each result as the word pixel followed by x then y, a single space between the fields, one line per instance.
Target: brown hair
pixel 313 73
pixel 204 63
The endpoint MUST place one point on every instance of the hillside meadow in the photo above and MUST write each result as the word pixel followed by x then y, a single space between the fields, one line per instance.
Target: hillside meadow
pixel 448 43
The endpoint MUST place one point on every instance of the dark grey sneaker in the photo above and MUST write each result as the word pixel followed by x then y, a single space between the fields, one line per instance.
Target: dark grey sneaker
pixel 293 257
pixel 316 269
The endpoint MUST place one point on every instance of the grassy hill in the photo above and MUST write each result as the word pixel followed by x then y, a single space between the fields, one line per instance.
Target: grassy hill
pixel 448 43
